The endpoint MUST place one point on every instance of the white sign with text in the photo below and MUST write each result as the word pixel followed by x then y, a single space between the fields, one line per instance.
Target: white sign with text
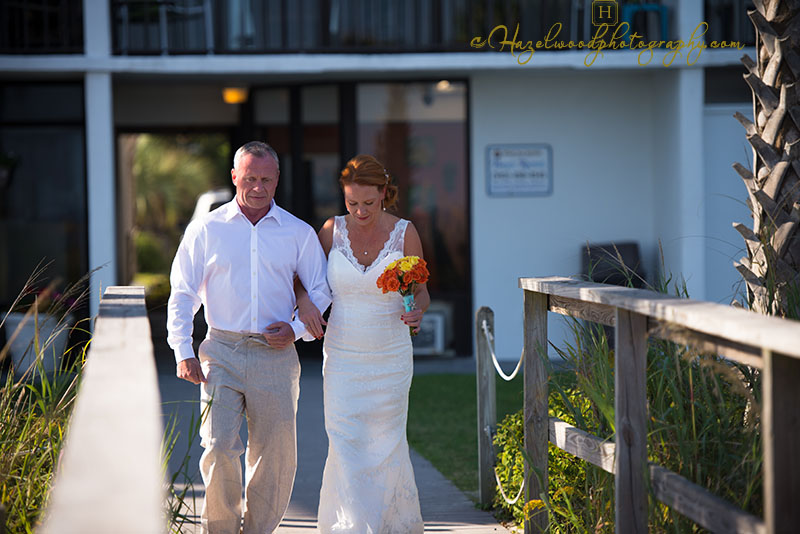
pixel 520 170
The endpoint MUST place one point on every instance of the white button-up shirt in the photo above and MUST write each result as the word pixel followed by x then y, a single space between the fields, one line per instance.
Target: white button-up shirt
pixel 243 274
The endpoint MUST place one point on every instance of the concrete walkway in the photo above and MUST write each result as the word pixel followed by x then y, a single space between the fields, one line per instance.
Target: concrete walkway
pixel 444 507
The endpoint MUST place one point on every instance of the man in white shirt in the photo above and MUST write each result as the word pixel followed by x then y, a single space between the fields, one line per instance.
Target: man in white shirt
pixel 240 261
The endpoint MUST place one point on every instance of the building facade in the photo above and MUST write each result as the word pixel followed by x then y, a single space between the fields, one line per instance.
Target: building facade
pixel 510 157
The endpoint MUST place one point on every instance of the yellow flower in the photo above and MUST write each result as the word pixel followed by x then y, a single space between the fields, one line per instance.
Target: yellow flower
pixel 531 507
pixel 405 263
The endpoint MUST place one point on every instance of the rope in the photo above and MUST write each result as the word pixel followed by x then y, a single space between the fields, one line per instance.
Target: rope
pixel 507 378
pixel 490 342
pixel 503 493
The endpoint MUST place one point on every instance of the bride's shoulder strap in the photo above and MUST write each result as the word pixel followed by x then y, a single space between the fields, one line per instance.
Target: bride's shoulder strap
pixel 403 224
pixel 398 235
pixel 339 229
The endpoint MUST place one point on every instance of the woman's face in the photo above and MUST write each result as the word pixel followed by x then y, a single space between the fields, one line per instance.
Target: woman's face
pixel 363 202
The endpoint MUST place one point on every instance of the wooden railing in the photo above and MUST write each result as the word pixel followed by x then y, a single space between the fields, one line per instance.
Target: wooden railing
pixel 768 343
pixel 109 478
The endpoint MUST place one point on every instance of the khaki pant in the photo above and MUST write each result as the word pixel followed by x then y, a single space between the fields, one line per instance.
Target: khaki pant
pixel 247 377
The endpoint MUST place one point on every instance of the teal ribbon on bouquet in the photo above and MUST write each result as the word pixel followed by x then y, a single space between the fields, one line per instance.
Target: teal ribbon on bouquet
pixel 409 304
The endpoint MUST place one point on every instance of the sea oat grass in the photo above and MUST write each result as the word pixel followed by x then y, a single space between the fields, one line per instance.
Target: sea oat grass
pixel 34 413
pixel 35 405
pixel 180 504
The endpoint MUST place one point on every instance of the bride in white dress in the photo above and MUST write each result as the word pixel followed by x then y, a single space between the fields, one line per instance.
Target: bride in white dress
pixel 368 484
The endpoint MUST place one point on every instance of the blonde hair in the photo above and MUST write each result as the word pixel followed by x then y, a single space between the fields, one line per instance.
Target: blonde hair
pixel 366 170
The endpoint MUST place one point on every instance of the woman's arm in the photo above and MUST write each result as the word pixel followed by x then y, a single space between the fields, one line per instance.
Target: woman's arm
pixel 306 310
pixel 413 247
pixel 326 236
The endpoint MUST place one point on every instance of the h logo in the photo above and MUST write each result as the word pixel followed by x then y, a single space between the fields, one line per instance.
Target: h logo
pixel 605 12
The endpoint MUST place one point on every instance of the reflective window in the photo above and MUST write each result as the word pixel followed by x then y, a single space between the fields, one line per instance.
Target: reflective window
pixel 41 103
pixel 37 27
pixel 419 132
pixel 271 118
pixel 320 105
pixel 42 186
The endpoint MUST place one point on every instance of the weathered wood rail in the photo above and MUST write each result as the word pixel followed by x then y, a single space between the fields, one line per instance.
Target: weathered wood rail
pixel 110 477
pixel 768 343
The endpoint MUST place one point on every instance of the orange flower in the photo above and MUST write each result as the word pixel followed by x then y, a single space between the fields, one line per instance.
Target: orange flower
pixel 388 281
pixel 419 273
pixel 392 283
pixel 403 275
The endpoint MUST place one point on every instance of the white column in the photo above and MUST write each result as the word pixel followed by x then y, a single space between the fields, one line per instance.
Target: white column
pixel 100 175
pixel 97 28
pixel 688 14
pixel 691 177
pixel 680 188
pixel 100 184
pixel 691 215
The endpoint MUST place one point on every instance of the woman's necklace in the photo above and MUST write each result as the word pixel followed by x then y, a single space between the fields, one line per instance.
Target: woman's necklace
pixel 368 242
pixel 370 239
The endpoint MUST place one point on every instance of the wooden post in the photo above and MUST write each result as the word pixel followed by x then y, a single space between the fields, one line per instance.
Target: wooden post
pixel 781 439
pixel 537 427
pixel 630 415
pixel 487 406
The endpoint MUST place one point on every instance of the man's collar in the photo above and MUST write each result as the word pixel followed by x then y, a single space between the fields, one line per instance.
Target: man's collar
pixel 274 212
pixel 232 209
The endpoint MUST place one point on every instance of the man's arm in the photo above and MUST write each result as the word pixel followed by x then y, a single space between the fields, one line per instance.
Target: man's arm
pixel 312 274
pixel 184 301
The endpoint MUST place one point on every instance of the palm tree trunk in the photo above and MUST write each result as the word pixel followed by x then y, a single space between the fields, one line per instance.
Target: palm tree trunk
pixel 771 268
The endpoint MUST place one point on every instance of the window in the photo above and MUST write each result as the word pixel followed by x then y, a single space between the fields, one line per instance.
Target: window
pixel 43 196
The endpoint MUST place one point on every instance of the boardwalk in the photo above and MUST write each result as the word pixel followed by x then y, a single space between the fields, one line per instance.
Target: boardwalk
pixel 444 507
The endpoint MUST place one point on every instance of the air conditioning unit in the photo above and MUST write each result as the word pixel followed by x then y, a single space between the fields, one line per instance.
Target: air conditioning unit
pixel 435 332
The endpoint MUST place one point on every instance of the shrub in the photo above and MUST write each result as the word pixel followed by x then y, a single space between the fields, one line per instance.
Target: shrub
pixel 153 255
pixel 578 491
pixel 156 288
pixel 703 424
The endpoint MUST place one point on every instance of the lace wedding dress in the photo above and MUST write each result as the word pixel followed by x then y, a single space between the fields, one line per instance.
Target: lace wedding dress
pixel 368 484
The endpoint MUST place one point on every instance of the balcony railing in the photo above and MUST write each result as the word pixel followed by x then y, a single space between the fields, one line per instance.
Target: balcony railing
pixel 145 27
pixel 728 21
pixel 358 26
pixel 36 27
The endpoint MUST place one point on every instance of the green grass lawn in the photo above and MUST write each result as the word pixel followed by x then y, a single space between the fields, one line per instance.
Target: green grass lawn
pixel 442 422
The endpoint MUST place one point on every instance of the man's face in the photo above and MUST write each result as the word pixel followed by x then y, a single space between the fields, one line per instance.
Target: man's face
pixel 256 180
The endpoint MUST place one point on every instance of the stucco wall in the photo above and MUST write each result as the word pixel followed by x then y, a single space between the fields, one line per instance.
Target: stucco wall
pixel 602 128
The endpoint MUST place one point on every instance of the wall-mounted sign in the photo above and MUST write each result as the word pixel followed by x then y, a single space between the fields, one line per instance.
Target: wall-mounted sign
pixel 519 170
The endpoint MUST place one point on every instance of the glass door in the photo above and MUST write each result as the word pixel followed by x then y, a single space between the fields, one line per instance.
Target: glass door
pixel 419 132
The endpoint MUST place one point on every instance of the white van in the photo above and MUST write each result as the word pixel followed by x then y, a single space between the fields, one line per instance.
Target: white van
pixel 211 200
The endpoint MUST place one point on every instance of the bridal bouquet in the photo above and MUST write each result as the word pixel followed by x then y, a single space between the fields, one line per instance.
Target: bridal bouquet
pixel 402 276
